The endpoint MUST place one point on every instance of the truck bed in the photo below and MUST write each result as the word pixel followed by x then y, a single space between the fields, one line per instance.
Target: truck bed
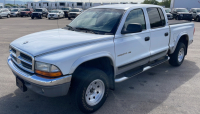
pixel 174 22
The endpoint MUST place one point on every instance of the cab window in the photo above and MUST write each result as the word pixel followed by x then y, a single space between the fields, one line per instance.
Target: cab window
pixel 135 16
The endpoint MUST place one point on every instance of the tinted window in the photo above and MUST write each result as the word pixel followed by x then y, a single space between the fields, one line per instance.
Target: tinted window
pixel 156 19
pixel 135 16
pixel 162 17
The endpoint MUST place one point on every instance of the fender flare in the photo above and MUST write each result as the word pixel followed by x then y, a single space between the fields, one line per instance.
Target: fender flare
pixel 91 57
pixel 177 40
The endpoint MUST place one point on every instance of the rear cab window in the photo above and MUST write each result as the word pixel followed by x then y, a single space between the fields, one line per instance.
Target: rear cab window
pixel 156 17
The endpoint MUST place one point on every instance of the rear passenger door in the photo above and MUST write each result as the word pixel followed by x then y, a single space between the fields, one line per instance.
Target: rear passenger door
pixel 159 33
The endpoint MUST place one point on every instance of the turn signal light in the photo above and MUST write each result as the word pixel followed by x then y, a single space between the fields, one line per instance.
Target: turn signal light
pixel 49 74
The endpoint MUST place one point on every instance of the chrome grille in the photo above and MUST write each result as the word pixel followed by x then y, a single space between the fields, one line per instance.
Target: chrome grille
pixel 22 59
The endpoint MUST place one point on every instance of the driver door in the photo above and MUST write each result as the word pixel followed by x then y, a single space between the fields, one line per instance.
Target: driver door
pixel 132 49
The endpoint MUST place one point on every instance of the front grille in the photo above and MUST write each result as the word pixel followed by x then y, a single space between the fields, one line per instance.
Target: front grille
pixel 74 14
pixel 51 14
pixel 25 57
pixel 35 14
pixel 23 13
pixel 22 59
pixel 26 65
pixel 13 50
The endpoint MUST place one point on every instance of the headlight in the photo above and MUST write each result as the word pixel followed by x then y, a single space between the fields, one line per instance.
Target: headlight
pixel 46 69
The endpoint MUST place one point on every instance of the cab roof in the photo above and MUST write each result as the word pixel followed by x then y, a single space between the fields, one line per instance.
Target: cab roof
pixel 126 6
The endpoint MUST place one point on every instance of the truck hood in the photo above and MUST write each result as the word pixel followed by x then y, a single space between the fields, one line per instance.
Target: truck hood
pixel 56 39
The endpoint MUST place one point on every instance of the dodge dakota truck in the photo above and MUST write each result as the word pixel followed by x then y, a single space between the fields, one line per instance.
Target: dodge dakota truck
pixel 104 45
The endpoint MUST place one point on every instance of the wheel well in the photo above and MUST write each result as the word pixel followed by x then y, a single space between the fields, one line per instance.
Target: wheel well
pixel 105 64
pixel 184 39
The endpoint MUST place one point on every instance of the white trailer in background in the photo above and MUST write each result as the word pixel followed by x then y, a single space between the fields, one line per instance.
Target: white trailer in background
pixel 31 5
pixel 88 5
pixel 46 5
pixel 1 5
pixel 54 5
pixel 188 4
pixel 79 5
pixel 70 4
pixel 62 5
pixel 37 5
pixel 106 3
pixel 96 4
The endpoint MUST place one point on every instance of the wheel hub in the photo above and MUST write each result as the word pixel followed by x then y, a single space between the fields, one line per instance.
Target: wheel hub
pixel 181 55
pixel 95 92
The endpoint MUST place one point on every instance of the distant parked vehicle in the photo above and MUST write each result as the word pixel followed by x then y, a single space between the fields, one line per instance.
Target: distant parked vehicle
pixel 73 13
pixel 66 10
pixel 4 12
pixel 15 12
pixel 181 14
pixel 195 14
pixel 8 7
pixel 168 12
pixel 39 13
pixel 56 14
pixel 26 12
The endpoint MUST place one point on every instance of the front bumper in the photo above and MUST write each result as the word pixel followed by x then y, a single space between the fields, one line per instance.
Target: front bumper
pixel 55 16
pixel 13 15
pixel 48 87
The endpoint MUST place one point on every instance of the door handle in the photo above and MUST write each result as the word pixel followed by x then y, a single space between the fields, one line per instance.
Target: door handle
pixel 147 38
pixel 166 34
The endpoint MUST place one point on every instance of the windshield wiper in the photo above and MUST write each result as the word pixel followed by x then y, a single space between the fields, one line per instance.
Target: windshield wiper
pixel 70 27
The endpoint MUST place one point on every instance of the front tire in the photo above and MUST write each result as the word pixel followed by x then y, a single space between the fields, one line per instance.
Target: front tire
pixel 177 58
pixel 8 16
pixel 197 19
pixel 89 89
pixel 32 17
pixel 69 18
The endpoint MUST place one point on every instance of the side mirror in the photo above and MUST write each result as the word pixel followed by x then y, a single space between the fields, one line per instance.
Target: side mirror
pixel 132 28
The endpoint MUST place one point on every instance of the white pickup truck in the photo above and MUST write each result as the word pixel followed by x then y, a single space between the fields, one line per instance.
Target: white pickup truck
pixel 102 46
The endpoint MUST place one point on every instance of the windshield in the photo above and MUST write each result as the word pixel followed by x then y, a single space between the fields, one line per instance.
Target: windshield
pixel 14 10
pixel 26 10
pixel 38 10
pixel 53 11
pixel 182 10
pixel 101 20
pixel 64 8
pixel 167 10
pixel 74 10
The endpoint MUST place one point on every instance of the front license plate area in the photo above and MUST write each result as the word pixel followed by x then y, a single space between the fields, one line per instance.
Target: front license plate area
pixel 20 84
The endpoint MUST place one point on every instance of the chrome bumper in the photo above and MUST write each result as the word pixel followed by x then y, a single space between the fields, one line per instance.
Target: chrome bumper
pixel 36 79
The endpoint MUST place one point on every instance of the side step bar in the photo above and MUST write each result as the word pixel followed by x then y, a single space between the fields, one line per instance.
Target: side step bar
pixel 157 62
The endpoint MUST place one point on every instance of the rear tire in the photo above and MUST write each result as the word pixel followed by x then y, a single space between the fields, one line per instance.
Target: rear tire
pixel 177 58
pixel 69 18
pixel 32 17
pixel 89 89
